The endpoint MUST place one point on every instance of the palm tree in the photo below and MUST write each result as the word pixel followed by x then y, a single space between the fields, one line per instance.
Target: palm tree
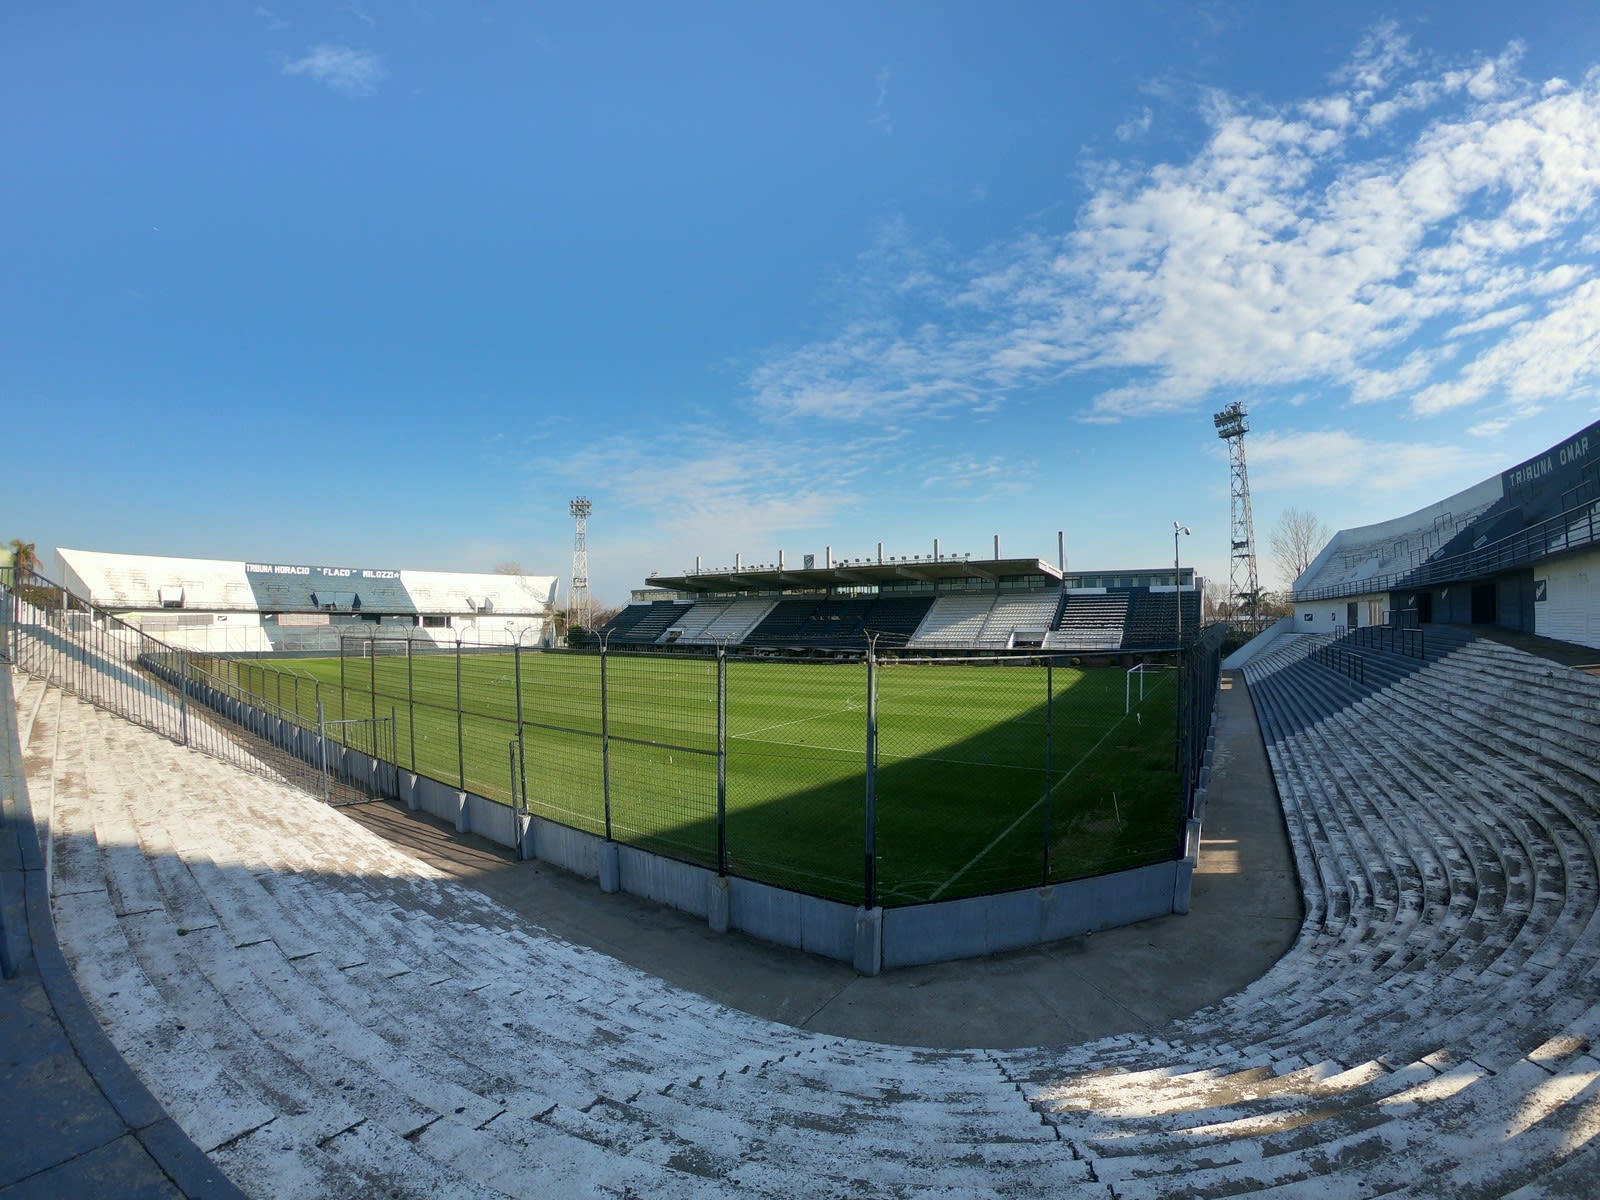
pixel 24 556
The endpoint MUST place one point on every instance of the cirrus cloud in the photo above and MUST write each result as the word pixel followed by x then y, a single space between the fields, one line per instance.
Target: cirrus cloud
pixel 354 72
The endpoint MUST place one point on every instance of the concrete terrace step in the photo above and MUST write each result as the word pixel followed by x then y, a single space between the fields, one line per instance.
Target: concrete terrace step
pixel 368 1026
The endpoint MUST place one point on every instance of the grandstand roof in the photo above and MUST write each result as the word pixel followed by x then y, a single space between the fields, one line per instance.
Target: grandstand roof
pixel 774 577
pixel 139 581
pixel 1515 518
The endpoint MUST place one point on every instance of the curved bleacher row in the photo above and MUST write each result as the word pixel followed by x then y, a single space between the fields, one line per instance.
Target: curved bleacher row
pixel 1134 619
pixel 326 1016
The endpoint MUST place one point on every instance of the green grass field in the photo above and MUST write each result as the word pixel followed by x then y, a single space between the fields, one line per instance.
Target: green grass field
pixel 979 766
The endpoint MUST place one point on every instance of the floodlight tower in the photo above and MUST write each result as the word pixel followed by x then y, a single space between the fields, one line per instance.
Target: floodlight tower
pixel 1231 428
pixel 578 603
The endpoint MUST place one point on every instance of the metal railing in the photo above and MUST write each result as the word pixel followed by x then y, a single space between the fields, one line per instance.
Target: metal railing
pixel 1571 530
pixel 1406 640
pixel 1347 662
pixel 68 643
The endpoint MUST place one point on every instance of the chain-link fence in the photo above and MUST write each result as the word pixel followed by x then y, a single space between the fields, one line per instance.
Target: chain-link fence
pixel 879 782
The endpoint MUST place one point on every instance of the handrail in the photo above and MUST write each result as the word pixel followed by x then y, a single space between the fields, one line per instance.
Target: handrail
pixel 1554 535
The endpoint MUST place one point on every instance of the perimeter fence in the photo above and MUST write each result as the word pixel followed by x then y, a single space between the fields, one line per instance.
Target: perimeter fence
pixel 68 643
pixel 885 782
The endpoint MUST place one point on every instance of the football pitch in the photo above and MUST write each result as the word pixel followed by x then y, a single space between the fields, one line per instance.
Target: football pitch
pixel 987 777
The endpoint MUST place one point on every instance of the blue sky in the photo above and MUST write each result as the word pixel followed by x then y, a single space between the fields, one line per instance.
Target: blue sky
pixel 387 285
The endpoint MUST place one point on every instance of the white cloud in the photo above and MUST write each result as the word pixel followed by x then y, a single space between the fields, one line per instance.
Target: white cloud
pixel 273 21
pixel 880 105
pixel 1338 459
pixel 1324 245
pixel 1555 355
pixel 1135 128
pixel 355 72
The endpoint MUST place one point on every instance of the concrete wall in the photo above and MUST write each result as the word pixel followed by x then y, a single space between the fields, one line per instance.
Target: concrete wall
pixel 1566 602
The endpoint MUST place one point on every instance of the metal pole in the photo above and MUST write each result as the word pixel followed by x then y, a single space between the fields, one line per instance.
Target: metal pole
pixel 342 713
pixel 461 742
pixel 322 743
pixel 1049 761
pixel 183 697
pixel 411 705
pixel 511 751
pixel 870 844
pixel 516 658
pixel 522 762
pixel 605 740
pixel 372 692
pixel 722 760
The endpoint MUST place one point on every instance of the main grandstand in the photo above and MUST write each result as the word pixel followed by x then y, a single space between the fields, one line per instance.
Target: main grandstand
pixel 924 605
pixel 229 607
pixel 1519 550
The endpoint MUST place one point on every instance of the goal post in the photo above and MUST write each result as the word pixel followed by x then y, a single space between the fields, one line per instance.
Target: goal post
pixel 1141 670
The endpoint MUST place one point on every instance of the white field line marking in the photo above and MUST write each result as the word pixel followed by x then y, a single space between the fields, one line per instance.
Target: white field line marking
pixel 751 734
pixel 1000 837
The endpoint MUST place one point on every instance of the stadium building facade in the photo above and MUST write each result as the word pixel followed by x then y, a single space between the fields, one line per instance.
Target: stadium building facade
pixel 1520 550
pixel 937 604
pixel 223 606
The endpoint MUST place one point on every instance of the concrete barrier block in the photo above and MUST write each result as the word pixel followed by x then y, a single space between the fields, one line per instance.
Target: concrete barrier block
pixel 610 868
pixel 827 927
pixel 490 819
pixel 766 912
pixel 1182 887
pixel 869 941
pixel 719 899
pixel 666 881
pixel 567 848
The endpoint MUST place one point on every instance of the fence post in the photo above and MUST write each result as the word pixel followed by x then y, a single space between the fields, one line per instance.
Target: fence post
pixel 183 695
pixel 1049 761
pixel 342 713
pixel 461 741
pixel 411 706
pixel 605 740
pixel 522 762
pixel 722 760
pixel 870 841
pixel 372 690
pixel 322 746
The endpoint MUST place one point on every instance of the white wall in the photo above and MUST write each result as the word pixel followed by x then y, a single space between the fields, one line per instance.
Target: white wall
pixel 1571 607
pixel 1330 616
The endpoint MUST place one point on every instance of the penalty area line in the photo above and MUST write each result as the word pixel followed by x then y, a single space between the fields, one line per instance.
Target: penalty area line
pixel 1009 829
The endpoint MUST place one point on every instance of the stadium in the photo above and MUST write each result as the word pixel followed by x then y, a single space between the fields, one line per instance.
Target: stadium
pixel 311 1009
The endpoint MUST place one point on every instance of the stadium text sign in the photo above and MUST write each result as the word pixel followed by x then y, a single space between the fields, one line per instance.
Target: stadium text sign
pixel 324 572
pixel 1569 456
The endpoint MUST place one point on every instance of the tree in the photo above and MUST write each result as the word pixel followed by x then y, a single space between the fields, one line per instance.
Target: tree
pixel 24 556
pixel 509 568
pixel 1296 540
pixel 1216 597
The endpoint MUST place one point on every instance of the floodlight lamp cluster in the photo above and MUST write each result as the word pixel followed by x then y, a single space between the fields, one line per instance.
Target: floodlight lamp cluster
pixel 1230 422
pixel 581 507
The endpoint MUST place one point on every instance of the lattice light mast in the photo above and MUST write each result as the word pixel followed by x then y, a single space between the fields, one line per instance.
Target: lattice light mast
pixel 579 606
pixel 1231 427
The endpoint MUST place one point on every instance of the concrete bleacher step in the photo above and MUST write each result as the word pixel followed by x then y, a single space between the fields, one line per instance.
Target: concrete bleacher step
pixel 338 1018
